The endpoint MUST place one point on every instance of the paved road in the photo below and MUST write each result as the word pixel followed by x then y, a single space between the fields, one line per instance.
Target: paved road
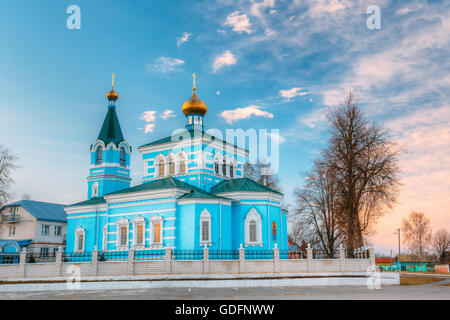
pixel 432 291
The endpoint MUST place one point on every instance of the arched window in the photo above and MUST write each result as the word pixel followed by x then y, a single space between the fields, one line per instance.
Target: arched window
pixel 205 228
pixel 139 232
pixel 95 189
pixel 99 155
pixel 161 168
pixel 216 167
pixel 79 239
pixel 156 231
pixel 224 168
pixel 171 167
pixel 253 228
pixel 182 169
pixel 122 233
pixel 122 157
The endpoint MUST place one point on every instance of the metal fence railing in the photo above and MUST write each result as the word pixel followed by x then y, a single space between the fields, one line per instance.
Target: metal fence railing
pixel 223 254
pixel 144 255
pixel 113 256
pixel 12 258
pixel 322 254
pixel 77 257
pixel 187 254
pixel 258 254
pixel 293 254
pixel 37 257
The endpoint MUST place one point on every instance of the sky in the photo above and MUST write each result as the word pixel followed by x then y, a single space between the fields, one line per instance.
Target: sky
pixel 266 64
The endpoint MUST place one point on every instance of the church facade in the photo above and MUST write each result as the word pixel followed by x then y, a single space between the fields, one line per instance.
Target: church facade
pixel 193 194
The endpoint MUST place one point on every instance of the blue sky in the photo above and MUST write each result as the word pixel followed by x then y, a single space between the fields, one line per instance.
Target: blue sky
pixel 269 64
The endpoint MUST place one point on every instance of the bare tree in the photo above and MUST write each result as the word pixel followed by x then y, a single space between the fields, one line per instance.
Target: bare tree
pixel 262 174
pixel 365 163
pixel 318 210
pixel 417 233
pixel 441 243
pixel 7 165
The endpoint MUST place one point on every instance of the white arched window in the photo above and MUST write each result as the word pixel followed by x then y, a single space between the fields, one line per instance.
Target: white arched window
pixel 171 166
pixel 253 228
pixel 95 189
pixel 122 156
pixel 99 155
pixel 182 163
pixel 161 168
pixel 122 233
pixel 139 232
pixel 205 228
pixel 156 231
pixel 80 239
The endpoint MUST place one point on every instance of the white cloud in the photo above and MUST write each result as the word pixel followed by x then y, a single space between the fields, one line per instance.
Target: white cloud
pixel 318 8
pixel 233 115
pixel 167 114
pixel 291 93
pixel 218 92
pixel 239 22
pixel 225 59
pixel 269 32
pixel 149 117
pixel 256 7
pixel 164 65
pixel 184 38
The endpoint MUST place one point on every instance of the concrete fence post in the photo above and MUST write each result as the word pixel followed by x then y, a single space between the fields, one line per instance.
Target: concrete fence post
pixel 205 260
pixel 276 259
pixel 341 258
pixel 58 261
pixel 94 261
pixel 241 259
pixel 372 256
pixel 130 264
pixel 168 261
pixel 309 254
pixel 22 263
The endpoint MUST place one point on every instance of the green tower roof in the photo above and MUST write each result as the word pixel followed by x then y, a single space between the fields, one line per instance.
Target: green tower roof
pixel 111 131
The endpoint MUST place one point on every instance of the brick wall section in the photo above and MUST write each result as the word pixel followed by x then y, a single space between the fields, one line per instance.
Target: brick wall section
pixel 168 266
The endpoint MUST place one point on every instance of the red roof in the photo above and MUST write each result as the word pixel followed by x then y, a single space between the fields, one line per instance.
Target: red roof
pixel 384 260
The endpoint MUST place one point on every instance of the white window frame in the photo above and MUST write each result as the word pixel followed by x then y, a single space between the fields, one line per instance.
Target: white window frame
pixel 157 161
pixel 79 231
pixel 13 233
pixel 138 221
pixel 205 216
pixel 253 215
pixel 56 233
pixel 42 229
pixel 94 192
pixel 154 220
pixel 171 159
pixel 182 157
pixel 122 222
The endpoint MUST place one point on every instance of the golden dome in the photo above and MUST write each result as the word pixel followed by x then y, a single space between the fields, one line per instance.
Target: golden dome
pixel 194 106
pixel 112 95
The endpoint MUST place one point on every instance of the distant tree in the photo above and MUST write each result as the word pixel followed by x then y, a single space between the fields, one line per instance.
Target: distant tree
pixel 7 165
pixel 263 174
pixel 26 196
pixel 318 209
pixel 417 233
pixel 365 164
pixel 441 243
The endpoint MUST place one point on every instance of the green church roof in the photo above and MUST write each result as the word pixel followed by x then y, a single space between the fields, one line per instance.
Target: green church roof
pixel 242 184
pixel 200 194
pixel 191 134
pixel 92 201
pixel 111 131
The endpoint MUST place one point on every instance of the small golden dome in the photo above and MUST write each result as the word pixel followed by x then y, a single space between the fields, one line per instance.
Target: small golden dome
pixel 112 95
pixel 194 106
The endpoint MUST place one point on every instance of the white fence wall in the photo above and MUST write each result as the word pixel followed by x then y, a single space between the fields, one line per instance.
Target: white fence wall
pixel 185 267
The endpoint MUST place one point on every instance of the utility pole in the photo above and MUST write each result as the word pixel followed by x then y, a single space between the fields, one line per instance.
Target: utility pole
pixel 398 234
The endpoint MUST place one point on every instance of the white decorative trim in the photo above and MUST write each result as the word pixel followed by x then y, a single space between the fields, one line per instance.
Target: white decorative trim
pixel 138 221
pixel 122 222
pixel 253 216
pixel 205 216
pixel 80 231
pixel 156 219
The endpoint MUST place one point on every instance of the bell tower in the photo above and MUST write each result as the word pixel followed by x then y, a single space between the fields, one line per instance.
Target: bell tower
pixel 110 154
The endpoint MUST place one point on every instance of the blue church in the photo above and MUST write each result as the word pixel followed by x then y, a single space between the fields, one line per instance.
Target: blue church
pixel 193 194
